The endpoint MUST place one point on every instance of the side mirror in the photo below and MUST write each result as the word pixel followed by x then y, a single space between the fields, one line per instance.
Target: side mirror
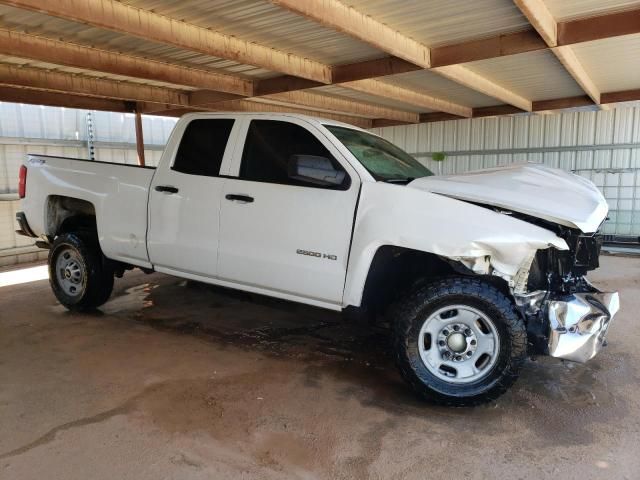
pixel 315 170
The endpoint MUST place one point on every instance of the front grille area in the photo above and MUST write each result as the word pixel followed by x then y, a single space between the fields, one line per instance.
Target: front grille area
pixel 563 271
pixel 585 253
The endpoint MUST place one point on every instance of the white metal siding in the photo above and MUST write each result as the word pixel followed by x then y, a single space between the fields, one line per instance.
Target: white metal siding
pixel 487 142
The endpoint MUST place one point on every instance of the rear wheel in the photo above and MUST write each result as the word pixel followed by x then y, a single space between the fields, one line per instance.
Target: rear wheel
pixel 79 277
pixel 458 341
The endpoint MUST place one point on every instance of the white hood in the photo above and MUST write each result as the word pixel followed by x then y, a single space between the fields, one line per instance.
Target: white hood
pixel 533 189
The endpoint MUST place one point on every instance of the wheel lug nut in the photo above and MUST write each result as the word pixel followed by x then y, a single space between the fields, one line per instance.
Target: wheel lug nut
pixel 467 332
pixel 445 332
pixel 441 343
pixel 446 355
pixel 469 354
pixel 456 328
pixel 473 342
pixel 458 357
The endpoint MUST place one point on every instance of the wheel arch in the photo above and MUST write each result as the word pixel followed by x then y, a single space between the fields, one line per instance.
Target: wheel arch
pixel 394 269
pixel 67 214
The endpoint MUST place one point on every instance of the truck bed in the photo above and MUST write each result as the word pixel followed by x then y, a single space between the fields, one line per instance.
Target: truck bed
pixel 117 192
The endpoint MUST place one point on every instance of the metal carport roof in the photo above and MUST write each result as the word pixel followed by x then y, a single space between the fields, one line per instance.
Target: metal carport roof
pixel 367 62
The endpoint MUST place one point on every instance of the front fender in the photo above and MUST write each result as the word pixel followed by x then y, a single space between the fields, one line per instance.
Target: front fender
pixel 484 240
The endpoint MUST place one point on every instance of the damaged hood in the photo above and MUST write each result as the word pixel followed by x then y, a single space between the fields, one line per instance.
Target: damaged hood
pixel 533 189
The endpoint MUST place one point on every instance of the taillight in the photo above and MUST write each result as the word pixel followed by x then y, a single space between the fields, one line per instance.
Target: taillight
pixel 22 181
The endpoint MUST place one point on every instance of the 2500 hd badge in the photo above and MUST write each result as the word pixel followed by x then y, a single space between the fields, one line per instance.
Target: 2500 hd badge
pixel 316 254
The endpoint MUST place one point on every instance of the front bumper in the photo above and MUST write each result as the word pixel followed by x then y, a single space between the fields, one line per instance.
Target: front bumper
pixel 578 324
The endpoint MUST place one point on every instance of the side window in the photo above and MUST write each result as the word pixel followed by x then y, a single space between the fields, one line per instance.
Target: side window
pixel 202 147
pixel 270 144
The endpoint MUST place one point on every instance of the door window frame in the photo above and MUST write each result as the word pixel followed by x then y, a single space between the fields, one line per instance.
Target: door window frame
pixel 234 171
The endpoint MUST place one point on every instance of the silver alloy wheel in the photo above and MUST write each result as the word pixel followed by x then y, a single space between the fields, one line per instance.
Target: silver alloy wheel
pixel 70 272
pixel 459 344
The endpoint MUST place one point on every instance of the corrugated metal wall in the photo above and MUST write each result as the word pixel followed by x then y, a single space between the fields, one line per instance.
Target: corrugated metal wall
pixel 59 131
pixel 603 146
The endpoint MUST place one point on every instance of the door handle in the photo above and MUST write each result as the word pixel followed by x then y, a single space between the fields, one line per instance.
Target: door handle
pixel 166 189
pixel 239 198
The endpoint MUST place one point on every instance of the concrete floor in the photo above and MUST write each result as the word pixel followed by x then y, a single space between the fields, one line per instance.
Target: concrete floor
pixel 182 381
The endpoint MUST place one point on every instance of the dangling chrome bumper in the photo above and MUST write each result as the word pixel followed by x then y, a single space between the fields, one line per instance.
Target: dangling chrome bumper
pixel 578 324
pixel 571 327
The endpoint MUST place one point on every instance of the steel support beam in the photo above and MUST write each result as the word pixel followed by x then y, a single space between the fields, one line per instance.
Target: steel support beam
pixel 139 136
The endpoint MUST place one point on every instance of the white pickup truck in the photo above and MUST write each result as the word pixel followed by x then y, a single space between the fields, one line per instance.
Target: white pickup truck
pixel 472 271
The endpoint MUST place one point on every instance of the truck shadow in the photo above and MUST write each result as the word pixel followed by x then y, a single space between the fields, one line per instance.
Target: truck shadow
pixel 359 356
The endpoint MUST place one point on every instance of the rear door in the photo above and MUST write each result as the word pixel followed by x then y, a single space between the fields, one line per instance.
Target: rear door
pixel 283 235
pixel 184 201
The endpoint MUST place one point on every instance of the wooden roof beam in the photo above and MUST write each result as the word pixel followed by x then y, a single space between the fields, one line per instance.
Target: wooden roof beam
pixel 57 99
pixel 321 102
pixel 257 106
pixel 380 67
pixel 411 97
pixel 338 16
pixel 67 54
pixel 30 85
pixel 467 77
pixel 599 27
pixel 120 17
pixel 622 96
pixel 78 56
pixel 562 103
pixel 571 63
pixel 539 16
pixel 344 105
pixel 485 48
pixel 495 110
pixel 109 13
pixel 91 86
pixel 538 106
pixel 335 14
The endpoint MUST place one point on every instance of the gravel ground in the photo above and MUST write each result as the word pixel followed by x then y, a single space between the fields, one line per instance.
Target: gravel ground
pixel 178 380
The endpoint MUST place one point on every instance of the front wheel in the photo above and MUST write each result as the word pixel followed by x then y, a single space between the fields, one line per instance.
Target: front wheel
pixel 78 275
pixel 458 341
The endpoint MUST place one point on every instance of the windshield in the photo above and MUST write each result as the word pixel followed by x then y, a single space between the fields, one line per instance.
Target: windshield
pixel 382 159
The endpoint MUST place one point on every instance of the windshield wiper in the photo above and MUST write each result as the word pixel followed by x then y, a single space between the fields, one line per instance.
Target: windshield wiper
pixel 399 180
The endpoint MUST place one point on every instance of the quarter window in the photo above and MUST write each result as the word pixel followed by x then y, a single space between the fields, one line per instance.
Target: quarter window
pixel 202 147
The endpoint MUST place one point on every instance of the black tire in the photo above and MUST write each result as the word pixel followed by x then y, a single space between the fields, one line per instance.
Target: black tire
pixel 96 283
pixel 409 314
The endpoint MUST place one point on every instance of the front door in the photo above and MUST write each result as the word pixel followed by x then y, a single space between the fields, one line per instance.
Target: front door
pixel 281 234
pixel 184 201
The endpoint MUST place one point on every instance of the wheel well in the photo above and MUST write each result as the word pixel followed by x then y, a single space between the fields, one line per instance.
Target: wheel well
pixel 67 214
pixel 394 270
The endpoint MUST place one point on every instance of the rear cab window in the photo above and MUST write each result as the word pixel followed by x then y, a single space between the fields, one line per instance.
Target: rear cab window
pixel 202 146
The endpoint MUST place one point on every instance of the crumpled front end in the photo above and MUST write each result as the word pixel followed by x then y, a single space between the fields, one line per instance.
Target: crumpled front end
pixel 567 317
pixel 578 324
